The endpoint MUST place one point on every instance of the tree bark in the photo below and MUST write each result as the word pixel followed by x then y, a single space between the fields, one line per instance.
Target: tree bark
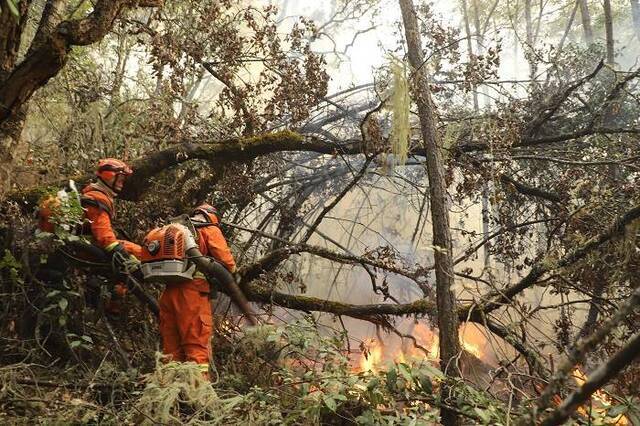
pixel 594 308
pixel 10 132
pixel 530 42
pixel 44 59
pixel 11 29
pixel 608 25
pixel 586 22
pixel 635 14
pixel 11 36
pixel 447 316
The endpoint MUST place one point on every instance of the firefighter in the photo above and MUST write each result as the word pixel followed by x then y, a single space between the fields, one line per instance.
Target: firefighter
pixel 185 311
pixel 98 201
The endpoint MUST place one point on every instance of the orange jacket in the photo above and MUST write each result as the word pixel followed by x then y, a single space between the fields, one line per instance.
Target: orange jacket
pixel 211 242
pixel 99 210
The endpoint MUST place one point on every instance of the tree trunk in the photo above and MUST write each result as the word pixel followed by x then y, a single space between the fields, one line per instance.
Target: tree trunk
pixel 572 17
pixel 608 25
pixel 467 27
pixel 10 132
pixel 11 29
pixel 476 109
pixel 530 42
pixel 11 129
pixel 586 22
pixel 594 309
pixel 44 59
pixel 635 13
pixel 11 36
pixel 447 316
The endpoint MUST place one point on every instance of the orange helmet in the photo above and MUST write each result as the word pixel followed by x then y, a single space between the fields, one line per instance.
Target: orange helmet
pixel 108 168
pixel 208 211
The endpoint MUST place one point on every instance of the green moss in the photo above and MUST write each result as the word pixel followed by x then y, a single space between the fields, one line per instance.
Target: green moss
pixel 273 137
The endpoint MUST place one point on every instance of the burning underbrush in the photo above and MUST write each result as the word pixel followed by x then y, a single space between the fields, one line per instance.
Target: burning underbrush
pixel 287 374
pixel 421 342
pixel 266 375
pixel 602 405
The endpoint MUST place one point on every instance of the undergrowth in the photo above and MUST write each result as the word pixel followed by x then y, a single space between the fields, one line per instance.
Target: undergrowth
pixel 289 374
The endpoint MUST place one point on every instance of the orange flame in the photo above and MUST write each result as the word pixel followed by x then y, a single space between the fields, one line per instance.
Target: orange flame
pixel 375 354
pixel 371 357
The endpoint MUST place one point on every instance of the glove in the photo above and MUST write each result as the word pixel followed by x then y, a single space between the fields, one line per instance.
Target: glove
pixel 122 261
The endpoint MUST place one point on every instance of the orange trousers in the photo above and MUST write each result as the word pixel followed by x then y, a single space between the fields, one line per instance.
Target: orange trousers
pixel 186 323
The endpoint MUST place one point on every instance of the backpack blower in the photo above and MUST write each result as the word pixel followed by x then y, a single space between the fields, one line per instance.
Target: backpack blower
pixel 170 255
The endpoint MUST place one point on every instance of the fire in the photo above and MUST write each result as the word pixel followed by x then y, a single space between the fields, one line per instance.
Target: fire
pixel 371 357
pixel 375 353
pixel 472 349
pixel 603 400
pixel 426 338
pixel 467 337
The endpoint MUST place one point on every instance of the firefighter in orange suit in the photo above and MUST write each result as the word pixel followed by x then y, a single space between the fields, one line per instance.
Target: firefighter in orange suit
pixel 185 311
pixel 98 201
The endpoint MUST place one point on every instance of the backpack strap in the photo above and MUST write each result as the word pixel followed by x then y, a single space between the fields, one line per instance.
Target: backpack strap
pixel 198 225
pixel 87 201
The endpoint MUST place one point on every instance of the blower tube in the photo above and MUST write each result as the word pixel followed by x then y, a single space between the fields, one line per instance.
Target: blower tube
pixel 215 270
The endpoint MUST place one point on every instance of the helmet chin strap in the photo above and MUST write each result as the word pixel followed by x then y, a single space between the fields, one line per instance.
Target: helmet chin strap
pixel 111 188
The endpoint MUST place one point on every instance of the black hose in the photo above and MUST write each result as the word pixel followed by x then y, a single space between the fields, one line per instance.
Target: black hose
pixel 99 257
pixel 143 296
pixel 212 269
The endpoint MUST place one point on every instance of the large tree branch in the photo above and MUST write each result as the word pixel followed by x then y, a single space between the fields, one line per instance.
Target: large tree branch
pixel 545 112
pixel 530 190
pixel 560 137
pixel 51 17
pixel 52 48
pixel 372 312
pixel 579 351
pixel 228 150
pixel 231 150
pixel 597 379
pixel 275 257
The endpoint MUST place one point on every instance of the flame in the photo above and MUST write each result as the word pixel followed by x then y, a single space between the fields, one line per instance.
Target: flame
pixel 225 326
pixel 375 353
pixel 467 337
pixel 472 349
pixel 603 400
pixel 371 357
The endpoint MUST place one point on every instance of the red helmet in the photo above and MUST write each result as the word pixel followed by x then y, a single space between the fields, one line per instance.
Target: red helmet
pixel 208 211
pixel 108 168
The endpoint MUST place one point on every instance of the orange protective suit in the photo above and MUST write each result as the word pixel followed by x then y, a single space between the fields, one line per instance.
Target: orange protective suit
pixel 99 206
pixel 97 201
pixel 185 311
